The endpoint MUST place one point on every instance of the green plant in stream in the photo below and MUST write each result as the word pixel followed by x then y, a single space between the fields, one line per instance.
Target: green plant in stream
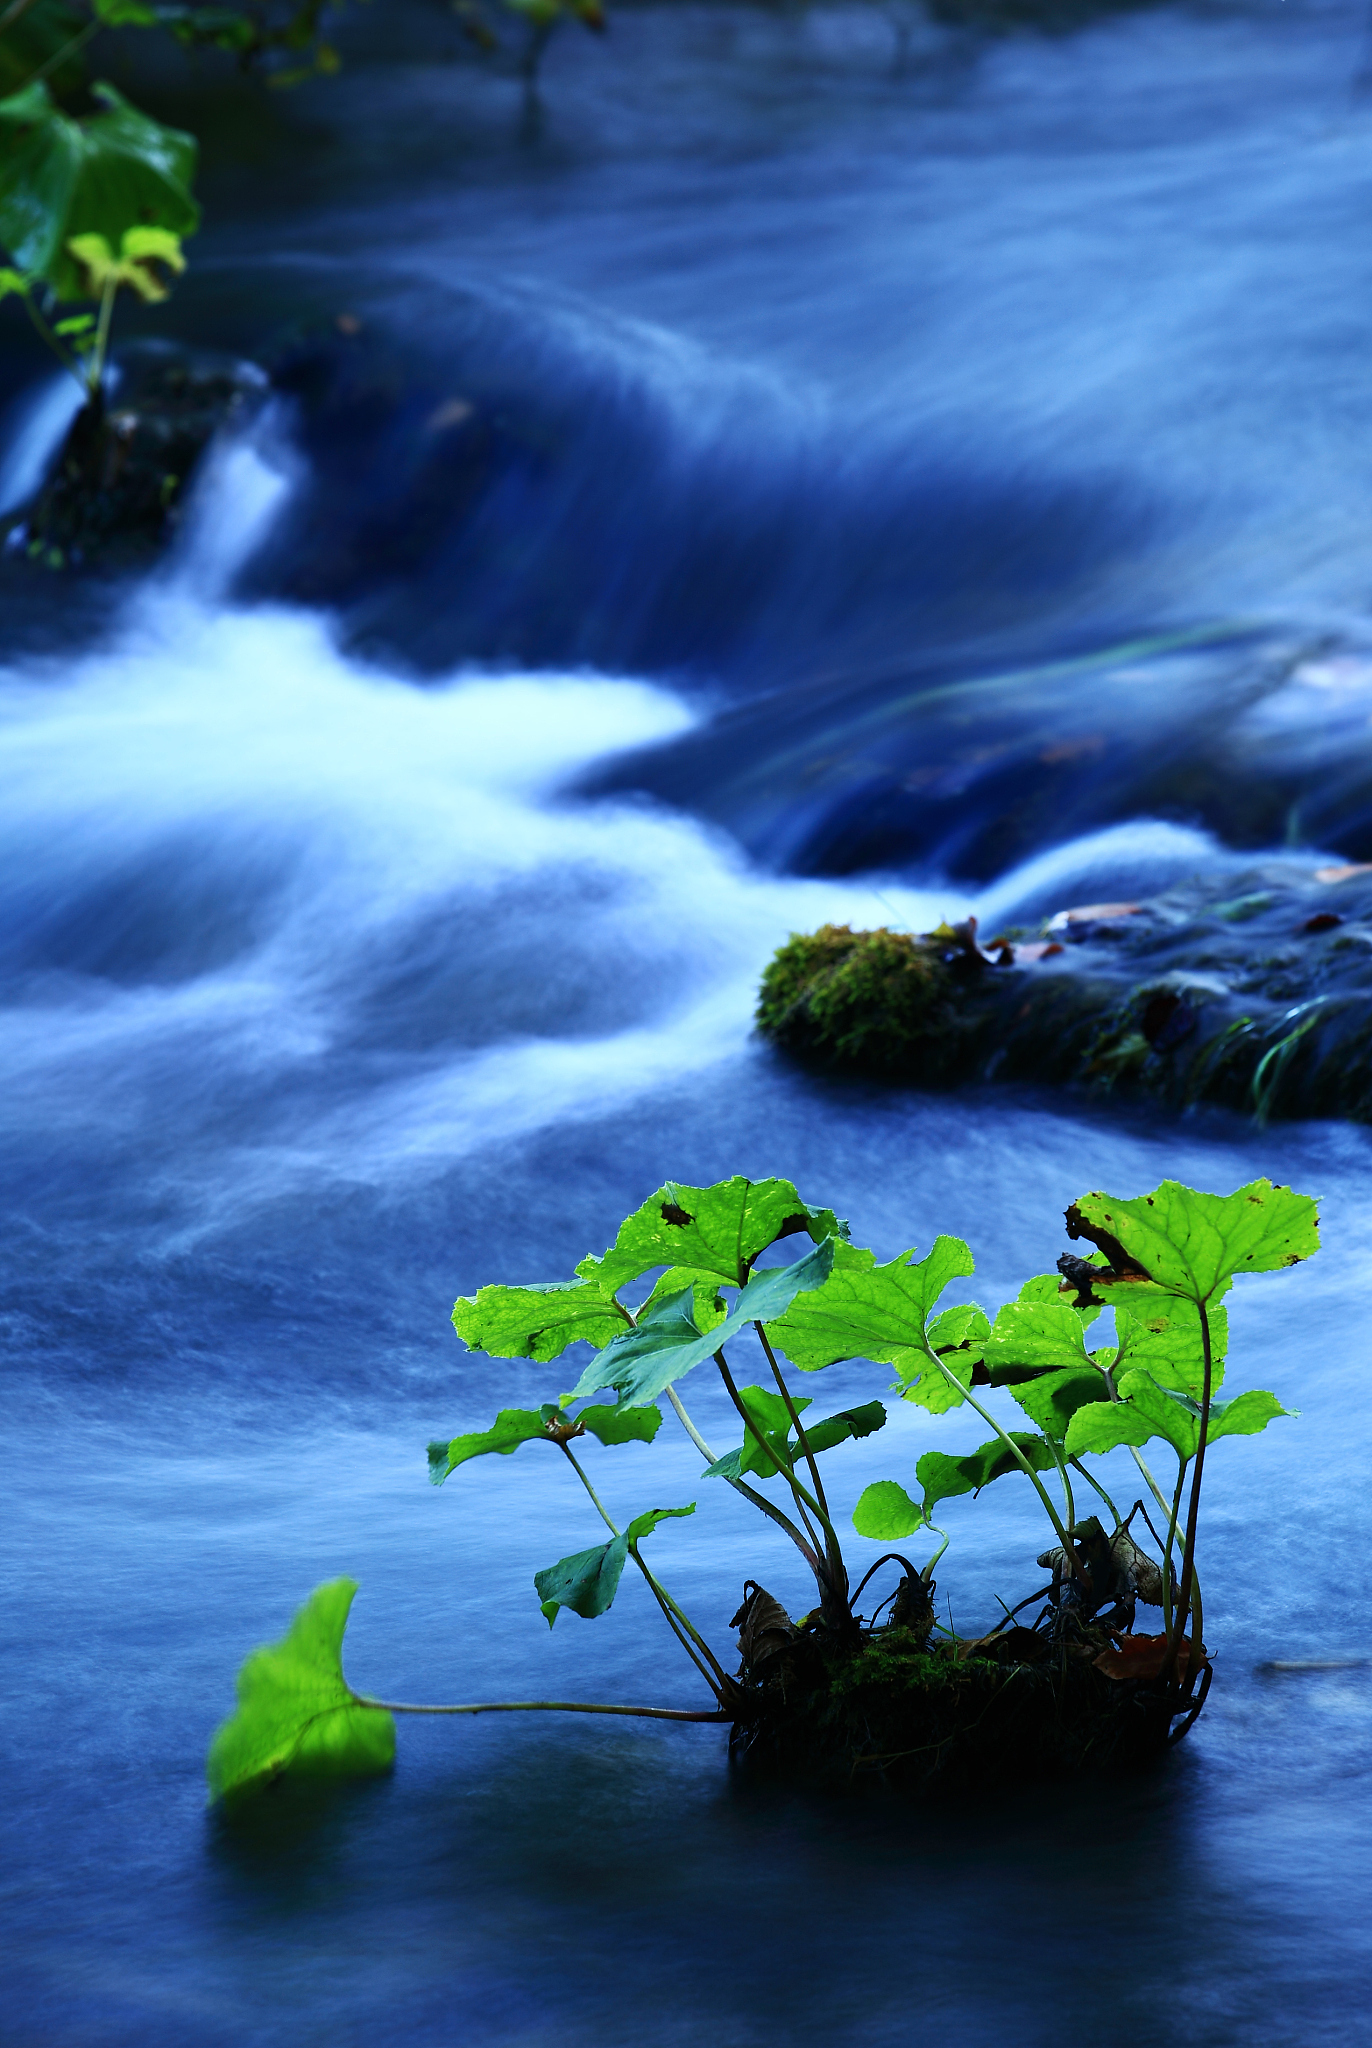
pixel 683 1285
pixel 87 208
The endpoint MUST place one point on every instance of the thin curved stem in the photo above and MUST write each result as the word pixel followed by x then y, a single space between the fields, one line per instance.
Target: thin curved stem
pixel 749 1493
pixel 1040 1489
pixel 750 1428
pixel 659 1592
pixel 1091 1480
pixel 1188 1556
pixel 546 1707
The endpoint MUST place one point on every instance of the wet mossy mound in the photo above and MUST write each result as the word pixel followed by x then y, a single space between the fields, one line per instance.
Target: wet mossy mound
pixel 1252 991
pixel 910 1714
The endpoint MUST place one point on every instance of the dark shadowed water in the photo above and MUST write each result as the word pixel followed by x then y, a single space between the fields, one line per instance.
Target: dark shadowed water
pixel 327 997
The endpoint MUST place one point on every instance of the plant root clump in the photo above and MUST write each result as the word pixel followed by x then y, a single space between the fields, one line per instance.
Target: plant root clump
pixel 895 1707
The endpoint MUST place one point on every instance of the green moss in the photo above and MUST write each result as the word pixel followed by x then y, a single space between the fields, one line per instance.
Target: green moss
pixel 880 1001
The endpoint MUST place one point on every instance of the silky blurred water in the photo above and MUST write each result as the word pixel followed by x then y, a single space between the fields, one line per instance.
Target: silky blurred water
pixel 323 999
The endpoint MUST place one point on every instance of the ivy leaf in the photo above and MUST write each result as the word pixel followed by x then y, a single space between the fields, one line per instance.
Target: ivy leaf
pixel 707 1305
pixel 885 1512
pixel 717 1230
pixel 550 1424
pixel 1146 1410
pixel 964 1328
pixel 1165 1340
pixel 1043 1336
pixel 61 178
pixel 623 1424
pixel 845 1427
pixel 538 1322
pixel 587 1582
pixel 1192 1244
pixel 943 1477
pixel 1053 1398
pixel 511 1428
pixel 769 1412
pixel 296 1711
pixel 1048 1287
pixel 667 1344
pixel 880 1312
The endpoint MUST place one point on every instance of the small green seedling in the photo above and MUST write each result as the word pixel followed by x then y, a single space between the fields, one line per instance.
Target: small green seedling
pixel 683 1281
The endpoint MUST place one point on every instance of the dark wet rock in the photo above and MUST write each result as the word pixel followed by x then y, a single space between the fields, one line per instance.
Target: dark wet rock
pixel 1254 992
pixel 1263 737
pixel 114 495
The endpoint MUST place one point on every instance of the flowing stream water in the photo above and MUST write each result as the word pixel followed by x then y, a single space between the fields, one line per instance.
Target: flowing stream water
pixel 328 994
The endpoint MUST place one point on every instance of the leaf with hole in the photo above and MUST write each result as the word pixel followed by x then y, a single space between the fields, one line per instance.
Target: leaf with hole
pixel 666 1344
pixel 708 1232
pixel 539 1322
pixel 1193 1244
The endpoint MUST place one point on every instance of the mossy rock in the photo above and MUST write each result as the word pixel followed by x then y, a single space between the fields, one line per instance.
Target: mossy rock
pixel 1251 991
pixel 893 1709
pixel 115 493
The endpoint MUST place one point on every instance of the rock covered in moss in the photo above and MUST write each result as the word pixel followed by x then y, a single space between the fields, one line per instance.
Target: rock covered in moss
pixel 114 495
pixel 1253 991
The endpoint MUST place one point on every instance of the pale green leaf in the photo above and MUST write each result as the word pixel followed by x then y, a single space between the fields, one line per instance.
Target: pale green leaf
pixel 886 1513
pixel 1246 1415
pixel 707 1304
pixel 1048 1287
pixel 1192 1244
pixel 548 1424
pixel 877 1312
pixel 1041 1336
pixel 1164 1339
pixel 715 1231
pixel 538 1322
pixel 666 1344
pixel 1053 1398
pixel 623 1424
pixel 296 1711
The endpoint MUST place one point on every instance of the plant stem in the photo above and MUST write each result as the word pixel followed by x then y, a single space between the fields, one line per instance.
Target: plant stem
pixel 750 1428
pixel 659 1593
pixel 1017 1454
pixel 838 1570
pixel 1092 1480
pixel 546 1707
pixel 50 340
pixel 68 49
pixel 758 1500
pixel 1188 1556
pixel 96 373
pixel 1066 1488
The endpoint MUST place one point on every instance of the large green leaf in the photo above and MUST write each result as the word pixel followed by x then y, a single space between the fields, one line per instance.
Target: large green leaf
pixel 539 1322
pixel 296 1711
pixel 880 1312
pixel 1146 1410
pixel 964 1328
pixel 1048 1287
pixel 60 178
pixel 1165 1340
pixel 667 1344
pixel 942 1477
pixel 587 1582
pixel 707 1304
pixel 1053 1398
pixel 1043 1336
pixel 549 1424
pixel 1192 1244
pixel 886 1513
pixel 716 1231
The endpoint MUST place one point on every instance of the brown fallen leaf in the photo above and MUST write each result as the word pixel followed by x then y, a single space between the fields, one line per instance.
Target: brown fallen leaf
pixel 1090 913
pixel 1037 949
pixel 1344 873
pixel 1143 1657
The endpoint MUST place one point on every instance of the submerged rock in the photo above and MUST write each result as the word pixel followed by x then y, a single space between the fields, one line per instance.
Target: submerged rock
pixel 1254 992
pixel 114 494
